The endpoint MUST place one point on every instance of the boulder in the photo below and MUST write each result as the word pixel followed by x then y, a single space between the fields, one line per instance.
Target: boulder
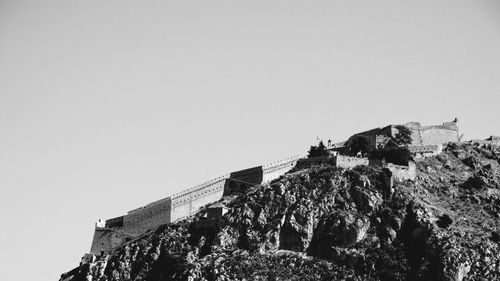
pixel 366 200
pixel 341 230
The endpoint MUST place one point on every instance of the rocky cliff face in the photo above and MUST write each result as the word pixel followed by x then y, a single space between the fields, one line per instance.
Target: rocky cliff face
pixel 325 223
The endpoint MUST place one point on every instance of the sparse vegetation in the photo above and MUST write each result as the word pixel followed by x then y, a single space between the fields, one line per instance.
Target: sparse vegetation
pixel 394 155
pixel 403 137
pixel 319 150
pixel 360 144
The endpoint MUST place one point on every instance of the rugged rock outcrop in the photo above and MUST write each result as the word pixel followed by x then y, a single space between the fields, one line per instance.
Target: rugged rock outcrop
pixel 327 223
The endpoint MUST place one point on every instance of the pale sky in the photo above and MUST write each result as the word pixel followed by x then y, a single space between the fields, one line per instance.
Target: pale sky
pixel 108 105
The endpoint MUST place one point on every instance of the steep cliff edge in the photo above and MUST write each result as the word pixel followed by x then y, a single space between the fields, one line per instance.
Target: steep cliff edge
pixel 320 222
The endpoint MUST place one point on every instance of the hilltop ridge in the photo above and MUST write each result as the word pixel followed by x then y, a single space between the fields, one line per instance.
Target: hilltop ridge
pixel 321 222
pixel 343 215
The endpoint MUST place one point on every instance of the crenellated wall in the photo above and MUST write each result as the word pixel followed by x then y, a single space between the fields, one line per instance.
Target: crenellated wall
pixel 189 202
pixel 434 134
pixel 148 217
pixel 242 180
pixel 421 135
pixel 274 170
pixel 114 222
pixel 252 175
pixel 425 150
pixel 136 222
pixel 115 231
pixel 348 162
pixel 438 136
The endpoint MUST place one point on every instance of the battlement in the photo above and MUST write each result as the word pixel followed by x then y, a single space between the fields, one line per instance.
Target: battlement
pixel 492 140
pixel 420 135
pixel 280 163
pixel 453 125
pixel 114 222
pixel 396 172
pixel 276 169
pixel 113 232
pixel 348 162
pixel 402 173
pixel 445 126
pixel 150 205
pixel 100 223
pixel 425 150
pixel 200 186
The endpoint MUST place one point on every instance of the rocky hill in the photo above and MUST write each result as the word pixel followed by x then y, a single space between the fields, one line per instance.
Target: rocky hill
pixel 320 222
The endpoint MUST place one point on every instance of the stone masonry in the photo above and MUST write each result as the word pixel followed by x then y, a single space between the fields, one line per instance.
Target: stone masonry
pixel 116 231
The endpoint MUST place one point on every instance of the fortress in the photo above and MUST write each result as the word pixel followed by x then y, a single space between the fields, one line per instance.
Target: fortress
pixel 114 232
pixel 425 140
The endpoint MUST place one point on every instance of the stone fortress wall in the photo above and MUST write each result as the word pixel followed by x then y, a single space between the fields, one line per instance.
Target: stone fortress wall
pixel 107 238
pixel 147 217
pixel 275 170
pixel 188 202
pixel 426 140
pixel 348 162
pixel 341 161
pixel 435 134
pixel 114 222
pixel 492 140
pixel 402 173
pixel 119 230
pixel 425 150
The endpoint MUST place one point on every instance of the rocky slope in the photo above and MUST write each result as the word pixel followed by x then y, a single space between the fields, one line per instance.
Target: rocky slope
pixel 320 222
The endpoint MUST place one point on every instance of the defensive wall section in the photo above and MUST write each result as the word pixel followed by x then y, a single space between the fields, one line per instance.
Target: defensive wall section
pixel 136 222
pixel 421 135
pixel 336 144
pixel 435 134
pixel 114 222
pixel 493 140
pixel 402 173
pixel 393 172
pixel 148 217
pixel 241 180
pixel 348 162
pixel 426 140
pixel 425 150
pixel 275 170
pixel 253 175
pixel 188 202
pixel 116 231
pixel 107 238
pixel 341 161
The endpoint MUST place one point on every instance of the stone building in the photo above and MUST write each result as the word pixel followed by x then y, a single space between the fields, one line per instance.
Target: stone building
pixel 425 139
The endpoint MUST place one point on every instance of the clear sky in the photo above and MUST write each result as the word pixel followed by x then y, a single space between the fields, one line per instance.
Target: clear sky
pixel 108 105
